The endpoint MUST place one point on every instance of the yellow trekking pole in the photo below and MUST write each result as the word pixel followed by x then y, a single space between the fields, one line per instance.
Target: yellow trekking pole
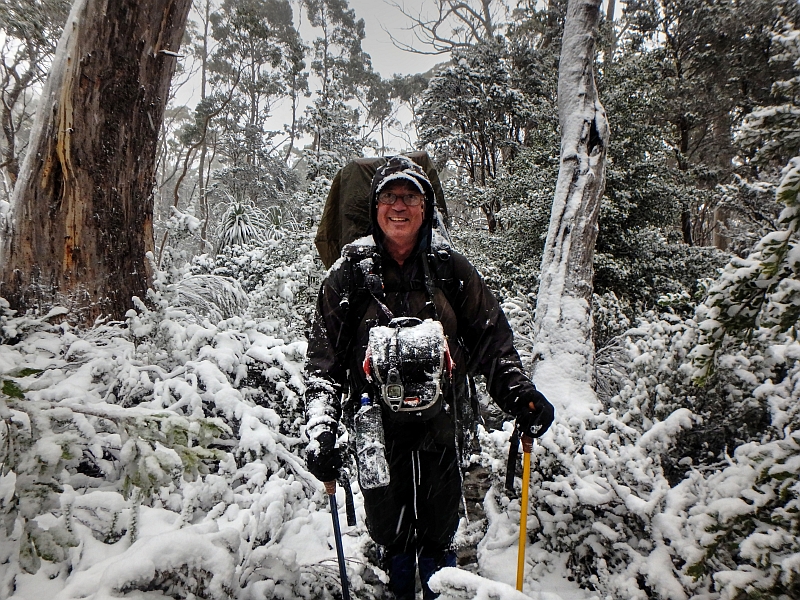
pixel 527 445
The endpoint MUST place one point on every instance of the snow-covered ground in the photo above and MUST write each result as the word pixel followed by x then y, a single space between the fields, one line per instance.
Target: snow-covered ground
pixel 164 457
pixel 257 526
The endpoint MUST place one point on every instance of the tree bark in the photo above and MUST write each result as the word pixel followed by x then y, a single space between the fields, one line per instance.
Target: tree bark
pixel 82 209
pixel 563 311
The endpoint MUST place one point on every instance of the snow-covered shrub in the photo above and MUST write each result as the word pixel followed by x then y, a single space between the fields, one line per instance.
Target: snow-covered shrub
pixel 76 430
pixel 65 430
pixel 519 310
pixel 672 489
pixel 611 316
pixel 749 211
pixel 164 454
pixel 770 133
pixel 502 259
pixel 757 292
pixel 745 521
pixel 242 223
pixel 281 276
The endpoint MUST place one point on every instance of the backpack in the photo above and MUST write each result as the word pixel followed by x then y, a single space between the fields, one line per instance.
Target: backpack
pixel 345 217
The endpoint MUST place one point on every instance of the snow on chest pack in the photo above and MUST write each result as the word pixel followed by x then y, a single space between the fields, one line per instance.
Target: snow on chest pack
pixel 409 366
pixel 408 363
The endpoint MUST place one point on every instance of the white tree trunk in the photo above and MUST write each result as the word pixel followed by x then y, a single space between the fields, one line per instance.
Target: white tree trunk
pixel 563 327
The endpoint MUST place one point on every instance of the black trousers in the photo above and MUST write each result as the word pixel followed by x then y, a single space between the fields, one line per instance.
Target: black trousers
pixel 418 511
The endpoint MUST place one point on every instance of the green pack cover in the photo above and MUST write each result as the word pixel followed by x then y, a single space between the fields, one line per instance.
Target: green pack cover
pixel 345 217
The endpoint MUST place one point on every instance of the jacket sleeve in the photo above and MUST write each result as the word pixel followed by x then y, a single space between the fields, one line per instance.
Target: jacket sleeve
pixel 326 376
pixel 488 338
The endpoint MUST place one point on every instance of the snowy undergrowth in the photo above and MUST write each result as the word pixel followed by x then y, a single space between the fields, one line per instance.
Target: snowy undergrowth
pixel 672 490
pixel 162 455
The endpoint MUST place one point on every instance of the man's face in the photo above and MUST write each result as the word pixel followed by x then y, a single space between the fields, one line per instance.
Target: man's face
pixel 400 223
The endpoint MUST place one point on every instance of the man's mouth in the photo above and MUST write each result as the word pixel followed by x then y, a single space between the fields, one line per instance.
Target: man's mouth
pixel 398 219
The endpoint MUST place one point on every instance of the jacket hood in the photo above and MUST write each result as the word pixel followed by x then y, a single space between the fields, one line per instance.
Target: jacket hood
pixel 402 168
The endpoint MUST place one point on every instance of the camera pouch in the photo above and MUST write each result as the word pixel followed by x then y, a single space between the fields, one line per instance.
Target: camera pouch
pixel 409 364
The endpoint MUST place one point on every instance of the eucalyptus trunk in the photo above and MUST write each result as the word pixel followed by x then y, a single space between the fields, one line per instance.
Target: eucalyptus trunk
pixel 563 311
pixel 82 210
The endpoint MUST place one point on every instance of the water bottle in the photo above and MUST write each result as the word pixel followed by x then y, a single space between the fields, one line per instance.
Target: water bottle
pixel 373 470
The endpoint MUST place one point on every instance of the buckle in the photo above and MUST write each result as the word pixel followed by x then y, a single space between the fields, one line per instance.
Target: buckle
pixel 393 392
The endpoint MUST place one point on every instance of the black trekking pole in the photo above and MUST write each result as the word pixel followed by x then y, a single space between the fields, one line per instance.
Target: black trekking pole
pixel 330 488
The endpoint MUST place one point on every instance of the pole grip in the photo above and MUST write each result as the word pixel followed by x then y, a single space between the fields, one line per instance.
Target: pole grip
pixel 330 487
pixel 511 464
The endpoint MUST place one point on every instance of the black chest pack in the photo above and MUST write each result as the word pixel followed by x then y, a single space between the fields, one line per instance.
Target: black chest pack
pixel 407 364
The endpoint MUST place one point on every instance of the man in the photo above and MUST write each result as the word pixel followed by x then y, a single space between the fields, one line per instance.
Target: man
pixel 398 272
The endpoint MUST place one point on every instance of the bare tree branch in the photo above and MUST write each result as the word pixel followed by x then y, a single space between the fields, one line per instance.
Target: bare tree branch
pixel 455 24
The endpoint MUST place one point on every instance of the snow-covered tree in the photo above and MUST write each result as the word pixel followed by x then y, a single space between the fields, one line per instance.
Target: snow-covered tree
pixel 707 94
pixel 473 115
pixel 252 65
pixel 563 310
pixel 29 30
pixel 770 133
pixel 342 67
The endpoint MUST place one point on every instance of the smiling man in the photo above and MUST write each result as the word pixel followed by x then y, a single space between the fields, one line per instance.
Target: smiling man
pixel 374 339
pixel 401 210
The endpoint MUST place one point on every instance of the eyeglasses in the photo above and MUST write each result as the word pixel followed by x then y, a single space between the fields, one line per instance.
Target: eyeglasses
pixel 408 199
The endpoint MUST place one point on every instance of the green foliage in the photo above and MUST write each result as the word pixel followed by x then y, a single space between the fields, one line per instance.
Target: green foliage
pixel 769 133
pixel 644 265
pixel 11 389
pixel 759 291
pixel 760 532
pixel 643 186
pixel 472 113
pixel 44 442
pixel 241 224
pixel 338 56
pixel 159 449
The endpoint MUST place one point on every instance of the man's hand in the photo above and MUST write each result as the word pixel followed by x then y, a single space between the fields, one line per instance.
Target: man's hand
pixel 534 414
pixel 323 459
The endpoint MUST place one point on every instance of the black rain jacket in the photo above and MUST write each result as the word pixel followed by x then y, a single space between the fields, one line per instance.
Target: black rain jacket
pixel 478 333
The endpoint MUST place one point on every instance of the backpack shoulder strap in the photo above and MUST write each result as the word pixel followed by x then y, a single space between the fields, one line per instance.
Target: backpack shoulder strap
pixel 359 260
pixel 440 260
pixel 363 281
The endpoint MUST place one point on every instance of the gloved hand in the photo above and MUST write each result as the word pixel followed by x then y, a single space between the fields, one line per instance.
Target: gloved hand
pixel 534 414
pixel 323 459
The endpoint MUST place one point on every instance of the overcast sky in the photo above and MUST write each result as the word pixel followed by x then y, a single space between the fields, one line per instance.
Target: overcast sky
pixel 386 58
